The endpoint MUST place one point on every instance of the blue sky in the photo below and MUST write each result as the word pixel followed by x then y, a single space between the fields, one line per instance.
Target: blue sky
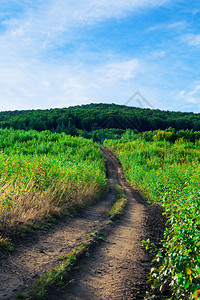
pixel 56 53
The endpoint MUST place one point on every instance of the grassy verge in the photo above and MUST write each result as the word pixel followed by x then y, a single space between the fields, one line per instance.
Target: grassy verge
pixel 119 205
pixel 168 174
pixel 58 275
pixel 6 244
pixel 45 175
pixel 8 237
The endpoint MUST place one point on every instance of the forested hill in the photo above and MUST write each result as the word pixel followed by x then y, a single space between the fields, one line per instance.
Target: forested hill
pixel 98 116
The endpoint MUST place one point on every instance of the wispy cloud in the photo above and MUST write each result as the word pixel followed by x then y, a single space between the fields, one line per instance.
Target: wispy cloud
pixel 158 54
pixel 115 71
pixel 50 22
pixel 191 96
pixel 169 26
pixel 48 85
pixel 192 39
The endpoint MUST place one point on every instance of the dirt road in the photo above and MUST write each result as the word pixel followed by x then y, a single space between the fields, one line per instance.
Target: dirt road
pixel 115 269
pixel 119 267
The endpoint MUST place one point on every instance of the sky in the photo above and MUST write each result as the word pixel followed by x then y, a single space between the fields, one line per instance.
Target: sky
pixel 56 53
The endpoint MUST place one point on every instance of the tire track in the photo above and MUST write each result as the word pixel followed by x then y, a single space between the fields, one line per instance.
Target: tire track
pixel 117 268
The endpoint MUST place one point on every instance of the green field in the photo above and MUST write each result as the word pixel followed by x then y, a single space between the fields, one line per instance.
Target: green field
pixel 46 174
pixel 169 174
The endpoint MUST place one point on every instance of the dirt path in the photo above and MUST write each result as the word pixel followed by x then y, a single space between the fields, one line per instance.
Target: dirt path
pixel 119 267
pixel 116 269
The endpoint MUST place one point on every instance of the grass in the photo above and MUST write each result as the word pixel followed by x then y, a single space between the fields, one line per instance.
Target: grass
pixel 20 296
pixel 6 244
pixel 168 174
pixel 44 175
pixel 118 207
pixel 58 275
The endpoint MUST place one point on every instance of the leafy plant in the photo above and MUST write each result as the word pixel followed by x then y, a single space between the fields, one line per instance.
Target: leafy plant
pixel 168 174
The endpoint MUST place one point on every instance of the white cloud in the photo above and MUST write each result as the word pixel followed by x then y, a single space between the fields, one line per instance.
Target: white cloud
pixel 51 21
pixel 41 85
pixel 176 26
pixel 192 96
pixel 192 39
pixel 98 9
pixel 115 71
pixel 43 25
pixel 158 54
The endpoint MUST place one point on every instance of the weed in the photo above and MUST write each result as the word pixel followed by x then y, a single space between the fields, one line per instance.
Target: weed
pixel 20 296
pixel 44 175
pixel 100 238
pixel 6 244
pixel 119 205
pixel 168 174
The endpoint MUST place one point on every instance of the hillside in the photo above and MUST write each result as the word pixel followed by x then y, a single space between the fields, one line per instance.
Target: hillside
pixel 98 116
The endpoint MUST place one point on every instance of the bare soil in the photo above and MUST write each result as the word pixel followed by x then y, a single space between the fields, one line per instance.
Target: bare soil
pixel 116 268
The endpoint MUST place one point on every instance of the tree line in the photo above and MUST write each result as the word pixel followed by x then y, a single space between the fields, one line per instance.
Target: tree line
pixel 94 117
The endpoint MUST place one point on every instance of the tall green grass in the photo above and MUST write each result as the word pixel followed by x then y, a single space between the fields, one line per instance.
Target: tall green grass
pixel 44 174
pixel 169 174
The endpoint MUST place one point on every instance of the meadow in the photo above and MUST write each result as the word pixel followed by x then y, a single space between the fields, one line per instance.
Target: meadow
pixel 45 175
pixel 168 174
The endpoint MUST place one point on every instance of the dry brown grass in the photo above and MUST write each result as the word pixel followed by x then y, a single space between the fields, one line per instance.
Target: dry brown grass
pixel 34 205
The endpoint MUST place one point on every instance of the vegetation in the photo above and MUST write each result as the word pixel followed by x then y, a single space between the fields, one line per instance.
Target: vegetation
pixel 46 174
pixel 121 202
pixel 86 118
pixel 57 276
pixel 168 173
